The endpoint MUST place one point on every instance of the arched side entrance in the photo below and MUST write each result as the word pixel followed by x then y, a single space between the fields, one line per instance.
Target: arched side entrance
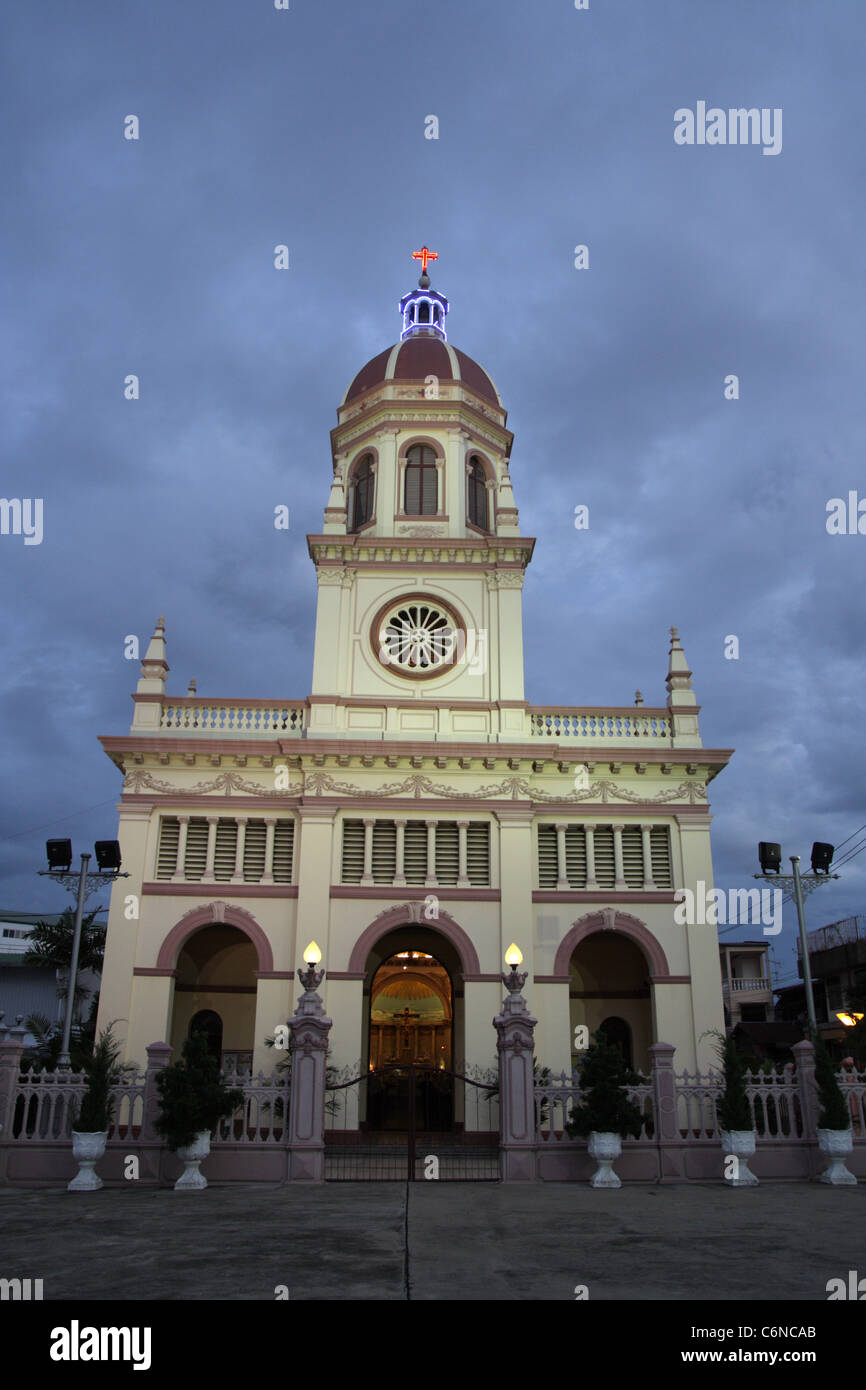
pixel 216 979
pixel 609 991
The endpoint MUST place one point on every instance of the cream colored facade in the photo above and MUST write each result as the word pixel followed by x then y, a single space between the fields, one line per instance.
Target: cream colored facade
pixel 405 805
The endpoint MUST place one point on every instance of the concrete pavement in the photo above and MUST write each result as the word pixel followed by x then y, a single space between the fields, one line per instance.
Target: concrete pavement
pixel 436 1241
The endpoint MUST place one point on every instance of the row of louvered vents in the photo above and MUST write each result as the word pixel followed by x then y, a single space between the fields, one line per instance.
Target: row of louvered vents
pixel 447 852
pixel 603 853
pixel 225 852
pixel 415 844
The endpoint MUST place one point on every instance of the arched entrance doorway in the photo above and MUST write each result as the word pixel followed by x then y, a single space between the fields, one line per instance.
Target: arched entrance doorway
pixel 216 976
pixel 433 975
pixel 411 1011
pixel 609 989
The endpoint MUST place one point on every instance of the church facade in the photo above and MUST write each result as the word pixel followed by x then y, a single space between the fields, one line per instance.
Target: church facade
pixel 413 815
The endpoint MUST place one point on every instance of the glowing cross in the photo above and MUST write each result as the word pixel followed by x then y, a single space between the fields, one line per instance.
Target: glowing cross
pixel 424 256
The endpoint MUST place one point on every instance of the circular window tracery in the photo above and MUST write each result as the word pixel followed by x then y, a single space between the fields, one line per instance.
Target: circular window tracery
pixel 417 636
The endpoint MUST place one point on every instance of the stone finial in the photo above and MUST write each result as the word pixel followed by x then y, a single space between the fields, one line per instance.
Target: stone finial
pixel 154 667
pixel 638 697
pixel 679 680
pixel 192 688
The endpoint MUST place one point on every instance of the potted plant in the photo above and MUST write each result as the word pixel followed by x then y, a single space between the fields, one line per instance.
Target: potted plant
pixel 91 1125
pixel 192 1099
pixel 605 1114
pixel 835 1135
pixel 737 1131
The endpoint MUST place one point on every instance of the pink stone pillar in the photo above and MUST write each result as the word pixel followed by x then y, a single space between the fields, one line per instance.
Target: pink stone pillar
pixel 10 1065
pixel 309 1029
pixel 515 1027
pixel 158 1057
pixel 665 1109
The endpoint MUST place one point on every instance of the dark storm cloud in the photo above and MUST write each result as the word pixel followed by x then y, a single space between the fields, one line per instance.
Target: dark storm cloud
pixel 306 127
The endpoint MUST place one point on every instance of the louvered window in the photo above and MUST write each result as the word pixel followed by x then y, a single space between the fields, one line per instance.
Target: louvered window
pixel 226 848
pixel 447 853
pixel 575 856
pixel 605 876
pixel 478 854
pixel 548 870
pixel 353 851
pixel 284 839
pixel 421 481
pixel 196 848
pixel 254 851
pixel 415 851
pixel 660 850
pixel 477 498
pixel 384 851
pixel 361 494
pixel 169 837
pixel 632 855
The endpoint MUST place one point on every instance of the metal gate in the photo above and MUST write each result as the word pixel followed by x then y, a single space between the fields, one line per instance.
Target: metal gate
pixel 408 1122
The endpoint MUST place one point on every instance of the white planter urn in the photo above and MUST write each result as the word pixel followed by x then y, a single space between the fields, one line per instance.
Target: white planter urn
pixel 836 1144
pixel 740 1144
pixel 606 1148
pixel 88 1150
pixel 191 1156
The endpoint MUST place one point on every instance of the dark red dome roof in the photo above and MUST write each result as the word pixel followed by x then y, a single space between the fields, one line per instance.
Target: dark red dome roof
pixel 420 356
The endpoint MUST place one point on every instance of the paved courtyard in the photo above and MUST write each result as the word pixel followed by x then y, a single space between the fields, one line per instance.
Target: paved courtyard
pixel 427 1241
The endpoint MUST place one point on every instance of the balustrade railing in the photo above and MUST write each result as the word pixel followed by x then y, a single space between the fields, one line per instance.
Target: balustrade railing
pixel 775 1101
pixel 244 719
pixel 588 725
pixel 263 1115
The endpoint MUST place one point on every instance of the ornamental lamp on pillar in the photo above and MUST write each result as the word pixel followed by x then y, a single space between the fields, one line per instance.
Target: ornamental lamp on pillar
pixel 311 978
pixel 515 1028
pixel 309 1029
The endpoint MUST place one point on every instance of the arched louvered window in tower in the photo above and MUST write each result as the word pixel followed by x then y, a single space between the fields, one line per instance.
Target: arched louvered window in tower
pixel 361 489
pixel 477 506
pixel 421 482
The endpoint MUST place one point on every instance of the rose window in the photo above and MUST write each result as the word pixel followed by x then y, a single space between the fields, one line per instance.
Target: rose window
pixel 417 637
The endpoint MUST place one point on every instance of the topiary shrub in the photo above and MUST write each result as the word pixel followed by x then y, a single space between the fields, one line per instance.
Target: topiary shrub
pixel 604 1078
pixel 102 1071
pixel 834 1112
pixel 732 1107
pixel 192 1095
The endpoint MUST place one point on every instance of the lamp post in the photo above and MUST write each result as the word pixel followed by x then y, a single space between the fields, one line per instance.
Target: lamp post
pixel 800 885
pixel 83 884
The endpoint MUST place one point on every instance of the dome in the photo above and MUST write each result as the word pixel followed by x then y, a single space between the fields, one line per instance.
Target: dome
pixel 420 356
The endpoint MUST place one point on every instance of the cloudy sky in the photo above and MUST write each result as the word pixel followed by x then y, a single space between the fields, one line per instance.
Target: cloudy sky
pixel 306 127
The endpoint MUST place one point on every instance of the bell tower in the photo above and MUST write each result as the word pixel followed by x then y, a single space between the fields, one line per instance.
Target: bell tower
pixel 420 563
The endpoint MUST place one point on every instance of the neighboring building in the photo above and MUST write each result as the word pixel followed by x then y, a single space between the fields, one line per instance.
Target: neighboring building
pixel 414 814
pixel 747 989
pixel 837 956
pixel 33 989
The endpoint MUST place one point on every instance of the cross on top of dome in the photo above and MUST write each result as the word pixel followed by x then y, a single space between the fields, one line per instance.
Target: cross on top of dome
pixel 424 310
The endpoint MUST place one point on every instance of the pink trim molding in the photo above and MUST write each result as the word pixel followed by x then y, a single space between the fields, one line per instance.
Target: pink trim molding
pixel 403 916
pixel 204 916
pixel 610 919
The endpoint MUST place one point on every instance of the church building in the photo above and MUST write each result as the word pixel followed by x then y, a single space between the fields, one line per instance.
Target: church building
pixel 413 814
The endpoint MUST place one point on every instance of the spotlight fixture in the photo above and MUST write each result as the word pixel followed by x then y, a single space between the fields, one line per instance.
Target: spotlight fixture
pixel 822 857
pixel 770 856
pixel 107 856
pixel 59 856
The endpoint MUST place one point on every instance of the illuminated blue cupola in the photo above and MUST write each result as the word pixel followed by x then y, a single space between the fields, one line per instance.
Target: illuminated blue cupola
pixel 424 310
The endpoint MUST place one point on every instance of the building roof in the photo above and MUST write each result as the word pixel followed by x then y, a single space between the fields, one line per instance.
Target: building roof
pixel 420 356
